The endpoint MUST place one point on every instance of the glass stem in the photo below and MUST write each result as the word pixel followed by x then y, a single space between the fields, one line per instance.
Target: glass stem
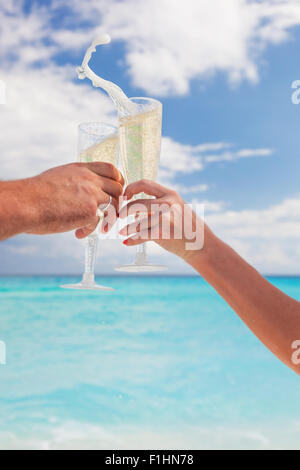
pixel 141 250
pixel 90 259
pixel 141 255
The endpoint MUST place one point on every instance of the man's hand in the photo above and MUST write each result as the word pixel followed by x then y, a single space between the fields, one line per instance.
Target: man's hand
pixel 69 196
pixel 59 200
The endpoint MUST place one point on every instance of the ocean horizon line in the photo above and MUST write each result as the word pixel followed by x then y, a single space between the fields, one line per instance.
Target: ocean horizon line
pixel 136 275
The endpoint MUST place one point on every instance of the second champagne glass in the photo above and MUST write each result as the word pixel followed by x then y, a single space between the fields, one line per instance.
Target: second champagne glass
pixel 140 145
pixel 98 142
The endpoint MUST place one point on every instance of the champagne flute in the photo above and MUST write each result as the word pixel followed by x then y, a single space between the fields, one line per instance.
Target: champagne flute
pixel 98 142
pixel 140 144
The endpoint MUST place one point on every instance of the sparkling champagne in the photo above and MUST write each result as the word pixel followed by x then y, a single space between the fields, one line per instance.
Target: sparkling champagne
pixel 105 151
pixel 140 142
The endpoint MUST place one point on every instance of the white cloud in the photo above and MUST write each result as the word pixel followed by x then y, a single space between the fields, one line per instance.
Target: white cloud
pixel 39 122
pixel 267 238
pixel 22 35
pixel 183 159
pixel 45 104
pixel 198 188
pixel 233 156
pixel 277 222
pixel 209 206
pixel 180 158
pixel 212 147
pixel 39 125
pixel 167 46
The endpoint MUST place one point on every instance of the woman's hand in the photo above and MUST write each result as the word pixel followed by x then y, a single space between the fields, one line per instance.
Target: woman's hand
pixel 166 219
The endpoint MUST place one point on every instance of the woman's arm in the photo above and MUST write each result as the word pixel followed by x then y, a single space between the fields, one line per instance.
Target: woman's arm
pixel 270 314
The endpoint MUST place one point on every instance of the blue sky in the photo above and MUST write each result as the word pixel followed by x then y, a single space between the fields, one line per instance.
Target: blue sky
pixel 247 115
pixel 223 79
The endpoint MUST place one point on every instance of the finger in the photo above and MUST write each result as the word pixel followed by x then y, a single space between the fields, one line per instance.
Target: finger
pixel 144 224
pixel 137 239
pixel 86 231
pixel 104 199
pixel 113 188
pixel 141 205
pixel 105 169
pixel 112 208
pixel 145 186
pixel 144 206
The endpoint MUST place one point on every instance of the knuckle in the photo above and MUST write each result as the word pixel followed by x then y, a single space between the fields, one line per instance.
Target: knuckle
pixel 172 197
pixel 91 209
pixel 85 173
pixel 173 193
pixel 89 188
pixel 100 182
pixel 110 167
pixel 112 171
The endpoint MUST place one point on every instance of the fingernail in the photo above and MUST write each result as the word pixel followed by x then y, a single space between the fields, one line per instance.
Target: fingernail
pixel 125 242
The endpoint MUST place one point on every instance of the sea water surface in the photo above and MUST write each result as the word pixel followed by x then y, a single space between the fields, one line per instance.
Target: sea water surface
pixel 161 363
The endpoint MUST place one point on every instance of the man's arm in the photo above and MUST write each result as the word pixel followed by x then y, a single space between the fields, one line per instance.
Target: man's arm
pixel 59 200
pixel 18 213
pixel 270 314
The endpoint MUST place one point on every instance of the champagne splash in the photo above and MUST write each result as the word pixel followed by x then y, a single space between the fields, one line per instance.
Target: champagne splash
pixel 121 101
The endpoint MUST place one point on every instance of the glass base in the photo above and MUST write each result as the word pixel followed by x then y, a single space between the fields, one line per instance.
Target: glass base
pixel 141 268
pixel 82 286
pixel 87 283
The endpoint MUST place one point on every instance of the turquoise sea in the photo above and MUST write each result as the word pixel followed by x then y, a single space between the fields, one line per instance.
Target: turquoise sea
pixel 161 363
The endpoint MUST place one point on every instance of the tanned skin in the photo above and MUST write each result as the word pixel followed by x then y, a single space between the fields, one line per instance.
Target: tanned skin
pixel 60 200
pixel 270 314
